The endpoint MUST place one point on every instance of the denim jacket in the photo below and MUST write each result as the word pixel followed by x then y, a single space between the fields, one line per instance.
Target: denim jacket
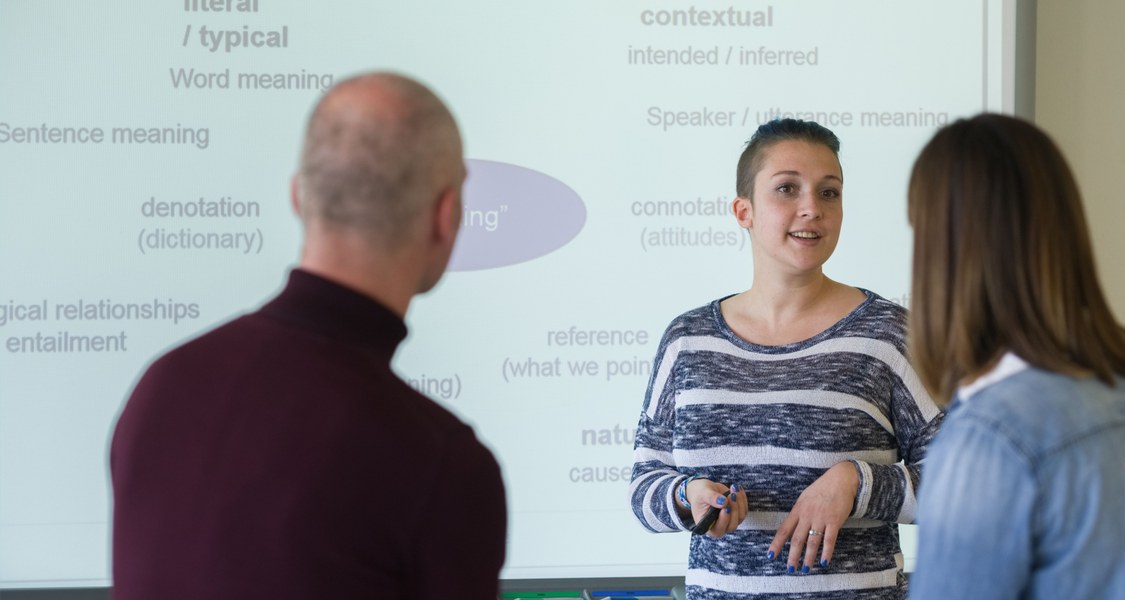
pixel 1023 494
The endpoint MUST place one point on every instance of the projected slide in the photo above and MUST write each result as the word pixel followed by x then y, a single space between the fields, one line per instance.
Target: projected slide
pixel 146 150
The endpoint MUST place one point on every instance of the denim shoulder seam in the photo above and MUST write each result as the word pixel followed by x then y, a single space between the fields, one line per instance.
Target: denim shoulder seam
pixel 1000 429
pixel 1077 439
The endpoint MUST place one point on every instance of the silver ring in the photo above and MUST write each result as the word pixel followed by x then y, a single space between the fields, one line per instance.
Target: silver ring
pixel 814 532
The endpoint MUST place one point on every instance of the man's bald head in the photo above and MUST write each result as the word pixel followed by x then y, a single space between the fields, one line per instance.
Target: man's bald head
pixel 379 148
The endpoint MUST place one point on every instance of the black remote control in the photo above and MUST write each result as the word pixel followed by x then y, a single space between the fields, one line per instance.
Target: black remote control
pixel 708 519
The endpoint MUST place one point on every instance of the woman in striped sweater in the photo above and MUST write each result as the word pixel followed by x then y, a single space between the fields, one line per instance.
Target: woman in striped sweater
pixel 790 407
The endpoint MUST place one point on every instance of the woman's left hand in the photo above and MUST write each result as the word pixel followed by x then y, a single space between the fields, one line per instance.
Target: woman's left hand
pixel 816 518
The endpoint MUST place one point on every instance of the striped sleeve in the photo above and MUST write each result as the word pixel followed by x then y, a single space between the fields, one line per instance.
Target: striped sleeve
pixel 887 492
pixel 655 475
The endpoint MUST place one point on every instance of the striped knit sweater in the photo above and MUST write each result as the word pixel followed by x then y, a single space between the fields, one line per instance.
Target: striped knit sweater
pixel 773 419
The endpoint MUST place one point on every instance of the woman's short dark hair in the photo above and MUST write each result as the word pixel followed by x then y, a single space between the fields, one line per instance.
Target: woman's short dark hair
pixel 770 133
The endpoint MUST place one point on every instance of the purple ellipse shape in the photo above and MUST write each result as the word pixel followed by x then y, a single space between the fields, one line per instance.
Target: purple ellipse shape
pixel 512 214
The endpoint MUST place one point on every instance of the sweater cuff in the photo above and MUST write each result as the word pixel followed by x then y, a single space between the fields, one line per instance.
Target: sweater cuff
pixel 884 494
pixel 673 507
pixel 863 490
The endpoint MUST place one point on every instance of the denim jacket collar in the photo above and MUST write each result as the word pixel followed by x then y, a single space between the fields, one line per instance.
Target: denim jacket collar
pixel 1008 365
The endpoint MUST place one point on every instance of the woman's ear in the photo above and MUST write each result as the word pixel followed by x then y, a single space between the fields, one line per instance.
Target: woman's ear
pixel 743 210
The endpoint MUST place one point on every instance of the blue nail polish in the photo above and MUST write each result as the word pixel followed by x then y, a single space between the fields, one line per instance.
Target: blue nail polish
pixel 824 563
pixel 791 569
pixel 734 488
pixel 769 555
pixel 721 501
pixel 805 570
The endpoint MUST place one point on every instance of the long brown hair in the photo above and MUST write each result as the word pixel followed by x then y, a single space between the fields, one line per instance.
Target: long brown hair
pixel 1002 259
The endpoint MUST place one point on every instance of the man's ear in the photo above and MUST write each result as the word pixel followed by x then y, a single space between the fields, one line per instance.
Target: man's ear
pixel 447 216
pixel 294 200
pixel 743 211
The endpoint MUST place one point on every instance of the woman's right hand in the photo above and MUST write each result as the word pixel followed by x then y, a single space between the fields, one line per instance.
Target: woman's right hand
pixel 702 494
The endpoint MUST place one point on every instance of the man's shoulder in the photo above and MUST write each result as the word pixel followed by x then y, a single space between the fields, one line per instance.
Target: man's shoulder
pixel 228 336
pixel 436 431
pixel 431 414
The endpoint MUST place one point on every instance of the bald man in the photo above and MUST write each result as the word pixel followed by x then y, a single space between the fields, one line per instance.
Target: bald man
pixel 278 456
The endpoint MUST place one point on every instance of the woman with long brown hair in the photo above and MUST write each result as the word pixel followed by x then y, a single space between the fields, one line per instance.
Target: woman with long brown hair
pixel 1024 492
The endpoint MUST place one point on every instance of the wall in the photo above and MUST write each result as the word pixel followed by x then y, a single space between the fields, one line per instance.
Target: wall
pixel 1080 101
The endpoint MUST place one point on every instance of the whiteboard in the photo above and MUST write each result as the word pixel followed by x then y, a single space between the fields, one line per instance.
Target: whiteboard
pixel 146 150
